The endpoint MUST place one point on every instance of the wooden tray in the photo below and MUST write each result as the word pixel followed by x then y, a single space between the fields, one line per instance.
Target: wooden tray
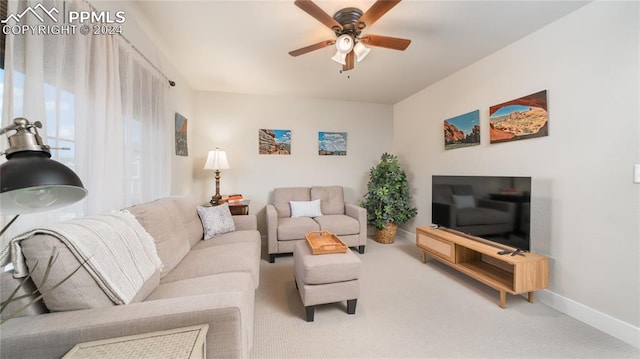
pixel 324 242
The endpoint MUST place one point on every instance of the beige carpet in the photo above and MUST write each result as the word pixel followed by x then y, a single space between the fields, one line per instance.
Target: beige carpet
pixel 408 309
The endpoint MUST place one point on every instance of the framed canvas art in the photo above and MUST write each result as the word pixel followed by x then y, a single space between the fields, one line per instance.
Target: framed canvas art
pixel 274 142
pixel 462 131
pixel 332 143
pixel 181 135
pixel 519 119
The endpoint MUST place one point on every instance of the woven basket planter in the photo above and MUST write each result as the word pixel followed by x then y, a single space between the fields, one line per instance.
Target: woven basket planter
pixel 387 234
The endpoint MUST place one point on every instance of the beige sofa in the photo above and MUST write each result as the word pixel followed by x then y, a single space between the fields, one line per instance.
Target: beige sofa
pixel 346 220
pixel 202 282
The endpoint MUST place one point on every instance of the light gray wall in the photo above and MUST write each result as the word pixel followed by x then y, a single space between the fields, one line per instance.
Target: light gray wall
pixel 585 206
pixel 231 122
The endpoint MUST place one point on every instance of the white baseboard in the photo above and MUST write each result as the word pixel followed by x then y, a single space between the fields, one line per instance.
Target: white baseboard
pixel 601 321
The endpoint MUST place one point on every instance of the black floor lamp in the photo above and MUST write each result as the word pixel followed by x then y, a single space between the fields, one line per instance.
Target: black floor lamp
pixel 30 181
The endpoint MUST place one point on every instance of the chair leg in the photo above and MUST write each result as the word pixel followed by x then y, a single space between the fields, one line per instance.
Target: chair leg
pixel 351 306
pixel 361 249
pixel 309 311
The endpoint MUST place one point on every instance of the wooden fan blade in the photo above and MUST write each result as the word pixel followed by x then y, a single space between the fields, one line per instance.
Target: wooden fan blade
pixel 394 43
pixel 314 47
pixel 349 61
pixel 314 10
pixel 375 12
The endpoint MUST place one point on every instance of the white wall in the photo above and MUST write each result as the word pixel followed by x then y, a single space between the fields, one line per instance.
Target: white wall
pixel 586 208
pixel 231 122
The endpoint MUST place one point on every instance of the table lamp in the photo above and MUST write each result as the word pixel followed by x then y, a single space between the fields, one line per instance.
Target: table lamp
pixel 30 181
pixel 216 160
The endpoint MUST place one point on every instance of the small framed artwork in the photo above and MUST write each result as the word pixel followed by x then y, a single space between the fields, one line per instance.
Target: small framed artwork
pixel 274 142
pixel 332 143
pixel 519 119
pixel 181 135
pixel 462 131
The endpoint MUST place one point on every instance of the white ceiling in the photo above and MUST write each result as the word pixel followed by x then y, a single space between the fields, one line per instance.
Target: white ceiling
pixel 242 46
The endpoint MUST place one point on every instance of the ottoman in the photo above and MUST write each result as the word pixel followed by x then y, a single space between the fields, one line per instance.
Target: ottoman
pixel 326 278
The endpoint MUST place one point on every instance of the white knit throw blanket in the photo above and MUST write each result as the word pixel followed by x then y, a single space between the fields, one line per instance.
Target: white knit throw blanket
pixel 119 253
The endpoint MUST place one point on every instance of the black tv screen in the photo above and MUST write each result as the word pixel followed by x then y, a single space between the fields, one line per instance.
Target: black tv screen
pixel 496 208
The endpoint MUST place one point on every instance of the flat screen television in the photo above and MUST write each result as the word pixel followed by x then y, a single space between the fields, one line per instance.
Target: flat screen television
pixel 496 208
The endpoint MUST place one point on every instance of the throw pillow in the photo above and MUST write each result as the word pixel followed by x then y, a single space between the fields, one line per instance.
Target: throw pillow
pixel 464 201
pixel 216 220
pixel 305 208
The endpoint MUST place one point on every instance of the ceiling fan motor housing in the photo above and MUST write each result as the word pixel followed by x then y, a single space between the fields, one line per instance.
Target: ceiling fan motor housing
pixel 348 18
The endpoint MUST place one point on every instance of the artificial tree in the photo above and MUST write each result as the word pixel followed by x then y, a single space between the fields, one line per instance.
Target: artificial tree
pixel 388 201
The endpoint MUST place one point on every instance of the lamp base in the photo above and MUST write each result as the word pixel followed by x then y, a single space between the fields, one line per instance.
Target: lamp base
pixel 217 199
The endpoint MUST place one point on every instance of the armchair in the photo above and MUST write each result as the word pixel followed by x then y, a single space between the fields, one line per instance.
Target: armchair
pixel 346 220
pixel 456 207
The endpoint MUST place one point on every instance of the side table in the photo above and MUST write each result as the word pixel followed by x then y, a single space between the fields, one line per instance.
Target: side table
pixel 237 208
pixel 180 343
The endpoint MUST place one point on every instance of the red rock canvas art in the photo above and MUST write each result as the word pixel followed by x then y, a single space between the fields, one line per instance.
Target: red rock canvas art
pixel 462 131
pixel 519 119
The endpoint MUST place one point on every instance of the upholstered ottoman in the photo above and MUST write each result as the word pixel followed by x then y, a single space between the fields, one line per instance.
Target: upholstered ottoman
pixel 326 278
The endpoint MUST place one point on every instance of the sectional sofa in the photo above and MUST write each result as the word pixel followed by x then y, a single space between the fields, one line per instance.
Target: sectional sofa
pixel 201 282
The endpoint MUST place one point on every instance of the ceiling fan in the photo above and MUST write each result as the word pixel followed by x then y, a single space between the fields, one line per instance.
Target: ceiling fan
pixel 348 24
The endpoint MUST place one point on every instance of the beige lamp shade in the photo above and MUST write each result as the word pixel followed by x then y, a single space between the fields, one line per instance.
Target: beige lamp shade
pixel 216 160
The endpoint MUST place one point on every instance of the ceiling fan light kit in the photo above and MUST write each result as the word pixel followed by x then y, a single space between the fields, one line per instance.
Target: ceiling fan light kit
pixel 344 45
pixel 347 24
pixel 361 51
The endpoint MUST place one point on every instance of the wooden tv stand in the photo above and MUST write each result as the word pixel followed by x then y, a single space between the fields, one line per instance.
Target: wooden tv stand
pixel 479 259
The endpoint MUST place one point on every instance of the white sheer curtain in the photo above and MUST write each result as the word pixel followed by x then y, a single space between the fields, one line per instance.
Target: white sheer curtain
pixel 96 95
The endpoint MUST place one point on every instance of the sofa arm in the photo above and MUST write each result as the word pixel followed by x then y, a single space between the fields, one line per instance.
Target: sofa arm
pixel 356 212
pixel 272 228
pixel 443 214
pixel 51 335
pixel 360 214
pixel 246 222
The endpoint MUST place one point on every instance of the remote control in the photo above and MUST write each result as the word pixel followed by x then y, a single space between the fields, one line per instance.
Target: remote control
pixel 504 251
pixel 516 252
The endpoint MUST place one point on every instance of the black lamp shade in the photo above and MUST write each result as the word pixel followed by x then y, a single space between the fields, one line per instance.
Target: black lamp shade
pixel 32 182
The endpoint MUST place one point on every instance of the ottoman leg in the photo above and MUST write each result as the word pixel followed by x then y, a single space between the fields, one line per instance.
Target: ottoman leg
pixel 351 306
pixel 310 312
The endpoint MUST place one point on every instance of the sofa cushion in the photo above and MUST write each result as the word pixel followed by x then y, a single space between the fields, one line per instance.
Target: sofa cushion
pixel 79 291
pixel 227 258
pixel 187 205
pixel 305 208
pixel 464 201
pixel 231 294
pixel 332 198
pixel 339 224
pixel 216 220
pixel 282 197
pixel 442 193
pixel 481 216
pixel 323 269
pixel 162 219
pixel 238 236
pixel 24 295
pixel 296 228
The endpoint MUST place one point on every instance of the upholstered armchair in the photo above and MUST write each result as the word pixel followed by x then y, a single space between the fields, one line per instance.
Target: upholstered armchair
pixel 296 211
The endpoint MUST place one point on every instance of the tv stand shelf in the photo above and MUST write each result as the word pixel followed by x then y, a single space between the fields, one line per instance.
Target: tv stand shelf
pixel 479 259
